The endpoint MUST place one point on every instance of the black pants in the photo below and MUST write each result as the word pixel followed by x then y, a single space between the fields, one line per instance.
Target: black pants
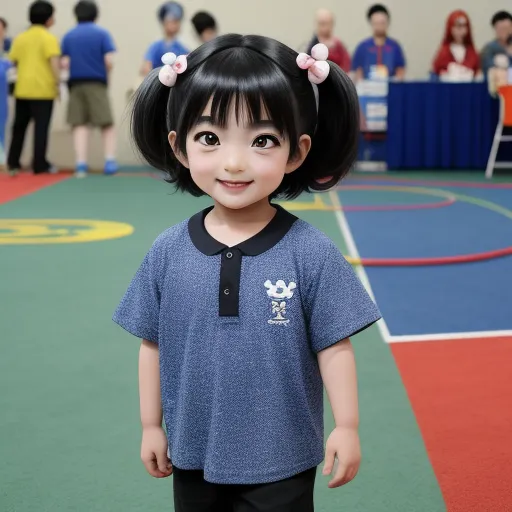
pixel 41 112
pixel 193 494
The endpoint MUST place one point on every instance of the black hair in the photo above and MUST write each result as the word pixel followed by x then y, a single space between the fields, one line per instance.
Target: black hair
pixel 253 72
pixel 203 21
pixel 173 8
pixel 501 16
pixel 86 11
pixel 4 23
pixel 375 9
pixel 40 12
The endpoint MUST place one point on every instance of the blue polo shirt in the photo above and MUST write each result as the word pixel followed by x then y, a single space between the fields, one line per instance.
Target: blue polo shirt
pixel 86 46
pixel 159 48
pixel 368 56
pixel 238 331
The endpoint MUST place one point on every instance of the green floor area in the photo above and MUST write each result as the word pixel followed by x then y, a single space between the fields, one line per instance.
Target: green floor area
pixel 69 424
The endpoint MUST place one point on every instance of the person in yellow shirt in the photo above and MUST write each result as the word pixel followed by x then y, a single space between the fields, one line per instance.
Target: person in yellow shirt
pixel 36 55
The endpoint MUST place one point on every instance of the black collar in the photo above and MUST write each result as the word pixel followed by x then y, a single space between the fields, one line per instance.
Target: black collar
pixel 269 236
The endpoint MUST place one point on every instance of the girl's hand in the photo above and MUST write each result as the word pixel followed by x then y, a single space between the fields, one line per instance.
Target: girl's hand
pixel 343 444
pixel 154 452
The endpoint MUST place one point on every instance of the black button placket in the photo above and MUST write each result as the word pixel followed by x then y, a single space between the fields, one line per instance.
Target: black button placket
pixel 229 283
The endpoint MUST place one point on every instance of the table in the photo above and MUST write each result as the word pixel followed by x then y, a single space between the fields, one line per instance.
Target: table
pixel 440 125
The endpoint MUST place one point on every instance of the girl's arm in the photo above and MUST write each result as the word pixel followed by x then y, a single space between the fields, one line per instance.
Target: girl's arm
pixel 154 440
pixel 338 369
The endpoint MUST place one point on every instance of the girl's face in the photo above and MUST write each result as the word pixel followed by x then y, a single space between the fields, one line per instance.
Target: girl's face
pixel 241 164
pixel 460 30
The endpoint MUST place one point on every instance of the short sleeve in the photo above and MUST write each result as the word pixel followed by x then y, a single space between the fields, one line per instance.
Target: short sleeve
pixel 13 52
pixel 139 309
pixel 358 61
pixel 150 52
pixel 400 57
pixel 337 305
pixel 65 46
pixel 108 45
pixel 51 47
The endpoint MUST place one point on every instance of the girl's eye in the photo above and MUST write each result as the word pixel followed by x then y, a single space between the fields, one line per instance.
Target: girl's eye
pixel 208 139
pixel 265 142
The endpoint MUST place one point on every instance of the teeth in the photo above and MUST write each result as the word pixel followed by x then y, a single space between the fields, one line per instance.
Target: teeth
pixel 235 184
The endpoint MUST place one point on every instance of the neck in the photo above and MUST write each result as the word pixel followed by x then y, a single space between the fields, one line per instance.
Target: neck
pixel 169 38
pixel 232 227
pixel 502 41
pixel 379 40
pixel 257 213
pixel 324 39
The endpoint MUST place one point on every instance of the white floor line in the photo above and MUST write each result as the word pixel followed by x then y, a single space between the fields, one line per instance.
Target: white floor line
pixel 448 336
pixel 354 253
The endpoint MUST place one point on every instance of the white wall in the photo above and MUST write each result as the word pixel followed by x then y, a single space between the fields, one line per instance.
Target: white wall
pixel 417 25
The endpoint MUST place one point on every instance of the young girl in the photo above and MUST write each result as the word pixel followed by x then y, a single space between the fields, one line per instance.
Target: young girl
pixel 246 311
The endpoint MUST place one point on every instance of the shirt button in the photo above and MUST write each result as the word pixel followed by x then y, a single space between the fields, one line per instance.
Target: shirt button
pixel 226 291
pixel 229 255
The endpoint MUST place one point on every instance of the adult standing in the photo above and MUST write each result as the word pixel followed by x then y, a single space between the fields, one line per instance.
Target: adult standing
pixel 379 56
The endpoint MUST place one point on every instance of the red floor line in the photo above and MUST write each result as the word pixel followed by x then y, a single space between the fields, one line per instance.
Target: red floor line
pixel 24 184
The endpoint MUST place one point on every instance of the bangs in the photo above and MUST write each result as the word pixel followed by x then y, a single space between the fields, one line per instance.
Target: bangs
pixel 241 78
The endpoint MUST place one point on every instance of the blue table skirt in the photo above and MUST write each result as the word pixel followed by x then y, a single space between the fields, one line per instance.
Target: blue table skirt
pixel 440 125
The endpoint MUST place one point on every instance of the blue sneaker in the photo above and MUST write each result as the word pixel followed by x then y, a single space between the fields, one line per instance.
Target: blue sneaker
pixel 81 170
pixel 110 167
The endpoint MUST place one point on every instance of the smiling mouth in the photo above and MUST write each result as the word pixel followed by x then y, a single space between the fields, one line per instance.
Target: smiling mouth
pixel 235 184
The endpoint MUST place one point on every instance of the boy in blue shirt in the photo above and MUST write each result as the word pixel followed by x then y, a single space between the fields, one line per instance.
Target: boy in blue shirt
pixel 378 57
pixel 88 50
pixel 170 16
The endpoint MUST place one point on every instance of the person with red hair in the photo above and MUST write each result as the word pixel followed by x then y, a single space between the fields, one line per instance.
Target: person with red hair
pixel 457 55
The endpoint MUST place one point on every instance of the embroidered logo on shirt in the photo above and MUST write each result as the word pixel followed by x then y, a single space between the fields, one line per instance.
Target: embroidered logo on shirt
pixel 279 291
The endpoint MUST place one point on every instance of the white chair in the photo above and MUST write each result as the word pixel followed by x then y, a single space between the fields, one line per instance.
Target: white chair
pixel 505 120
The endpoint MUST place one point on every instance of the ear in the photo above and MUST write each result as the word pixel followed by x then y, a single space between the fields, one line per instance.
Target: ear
pixel 182 159
pixel 302 153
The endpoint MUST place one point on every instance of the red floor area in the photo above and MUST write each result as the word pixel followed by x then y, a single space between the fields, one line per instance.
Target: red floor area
pixel 461 393
pixel 23 184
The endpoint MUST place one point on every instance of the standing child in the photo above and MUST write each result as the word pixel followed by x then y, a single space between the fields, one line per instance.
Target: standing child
pixel 170 15
pixel 245 311
pixel 36 54
pixel 88 50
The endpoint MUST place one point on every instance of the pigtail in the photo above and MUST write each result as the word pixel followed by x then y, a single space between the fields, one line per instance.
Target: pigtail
pixel 335 140
pixel 148 124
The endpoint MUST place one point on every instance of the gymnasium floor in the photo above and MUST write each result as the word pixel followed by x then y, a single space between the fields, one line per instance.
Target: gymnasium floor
pixel 435 376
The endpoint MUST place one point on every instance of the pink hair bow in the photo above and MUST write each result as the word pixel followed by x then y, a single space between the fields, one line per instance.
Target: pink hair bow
pixel 316 64
pixel 173 66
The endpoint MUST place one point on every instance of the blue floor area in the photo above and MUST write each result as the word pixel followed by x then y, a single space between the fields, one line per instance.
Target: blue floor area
pixel 440 299
pixel 444 299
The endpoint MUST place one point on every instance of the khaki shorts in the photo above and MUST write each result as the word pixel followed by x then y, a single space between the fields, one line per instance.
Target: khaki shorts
pixel 89 105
